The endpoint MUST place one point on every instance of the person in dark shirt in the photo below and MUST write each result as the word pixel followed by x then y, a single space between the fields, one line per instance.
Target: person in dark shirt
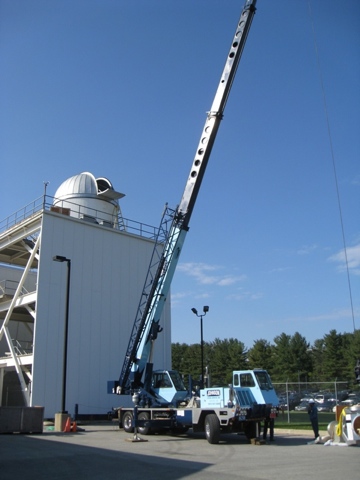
pixel 269 424
pixel 313 414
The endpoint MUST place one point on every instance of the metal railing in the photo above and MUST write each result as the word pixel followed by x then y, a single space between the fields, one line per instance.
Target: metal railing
pixel 9 287
pixel 22 214
pixel 47 203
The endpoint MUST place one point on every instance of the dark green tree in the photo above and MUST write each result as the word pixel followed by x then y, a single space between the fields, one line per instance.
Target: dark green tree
pixel 186 359
pixel 226 356
pixel 261 355
pixel 334 358
pixel 351 346
pixel 179 356
pixel 300 358
pixel 282 352
pixel 317 359
pixel 355 351
pixel 288 359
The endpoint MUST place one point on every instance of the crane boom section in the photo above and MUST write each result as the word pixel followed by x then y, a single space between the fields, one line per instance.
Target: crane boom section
pixel 157 288
pixel 216 113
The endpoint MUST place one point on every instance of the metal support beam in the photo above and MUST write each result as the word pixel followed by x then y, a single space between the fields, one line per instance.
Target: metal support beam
pixel 4 330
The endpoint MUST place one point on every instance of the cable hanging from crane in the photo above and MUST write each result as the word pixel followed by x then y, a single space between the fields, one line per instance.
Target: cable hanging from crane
pixel 333 162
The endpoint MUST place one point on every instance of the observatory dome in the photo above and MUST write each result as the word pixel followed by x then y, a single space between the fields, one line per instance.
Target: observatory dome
pixel 89 198
pixel 83 183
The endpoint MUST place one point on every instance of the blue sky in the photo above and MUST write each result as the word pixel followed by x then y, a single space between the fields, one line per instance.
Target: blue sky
pixel 121 89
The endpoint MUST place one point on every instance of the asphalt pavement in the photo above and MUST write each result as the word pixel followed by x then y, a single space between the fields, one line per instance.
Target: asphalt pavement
pixel 102 451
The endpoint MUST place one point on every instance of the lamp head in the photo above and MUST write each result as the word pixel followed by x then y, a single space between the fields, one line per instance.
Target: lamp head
pixel 206 308
pixel 59 258
pixel 194 311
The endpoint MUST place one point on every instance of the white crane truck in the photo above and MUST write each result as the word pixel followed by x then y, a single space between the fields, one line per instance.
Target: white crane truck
pixel 238 408
pixel 160 397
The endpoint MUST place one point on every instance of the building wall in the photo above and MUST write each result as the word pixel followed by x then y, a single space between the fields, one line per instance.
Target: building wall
pixel 108 270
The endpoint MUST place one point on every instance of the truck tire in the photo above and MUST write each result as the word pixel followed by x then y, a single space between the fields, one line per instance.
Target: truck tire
pixel 212 428
pixel 127 422
pixel 145 430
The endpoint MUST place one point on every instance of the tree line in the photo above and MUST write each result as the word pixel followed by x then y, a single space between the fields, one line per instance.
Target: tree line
pixel 289 358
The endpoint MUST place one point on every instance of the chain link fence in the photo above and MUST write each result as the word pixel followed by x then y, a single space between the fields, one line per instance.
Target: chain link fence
pixel 335 387
pixel 294 396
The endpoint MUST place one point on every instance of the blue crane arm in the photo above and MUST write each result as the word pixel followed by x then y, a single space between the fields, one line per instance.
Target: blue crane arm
pixel 162 269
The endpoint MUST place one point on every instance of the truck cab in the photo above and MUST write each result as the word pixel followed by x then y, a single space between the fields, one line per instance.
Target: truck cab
pixel 259 382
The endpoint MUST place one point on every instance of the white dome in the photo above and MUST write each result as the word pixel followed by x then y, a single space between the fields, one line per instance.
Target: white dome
pixel 83 183
pixel 88 197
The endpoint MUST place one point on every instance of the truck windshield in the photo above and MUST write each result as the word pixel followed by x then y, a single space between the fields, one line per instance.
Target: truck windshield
pixel 177 381
pixel 264 380
pixel 246 380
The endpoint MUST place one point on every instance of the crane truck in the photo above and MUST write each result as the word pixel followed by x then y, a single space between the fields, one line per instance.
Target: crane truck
pixel 160 397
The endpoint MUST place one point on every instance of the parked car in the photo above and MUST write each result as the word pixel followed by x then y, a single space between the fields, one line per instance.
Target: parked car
pixel 352 400
pixel 354 395
pixel 306 398
pixel 327 406
pixel 349 402
pixel 324 397
pixel 294 399
pixel 302 407
pixel 342 395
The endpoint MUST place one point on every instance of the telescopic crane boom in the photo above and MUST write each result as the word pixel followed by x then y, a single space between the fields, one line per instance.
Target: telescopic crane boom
pixel 162 266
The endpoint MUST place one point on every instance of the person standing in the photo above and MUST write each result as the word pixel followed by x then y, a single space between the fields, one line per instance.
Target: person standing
pixel 313 414
pixel 269 424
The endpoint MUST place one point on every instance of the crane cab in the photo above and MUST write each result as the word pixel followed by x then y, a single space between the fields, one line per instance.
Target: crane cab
pixel 169 385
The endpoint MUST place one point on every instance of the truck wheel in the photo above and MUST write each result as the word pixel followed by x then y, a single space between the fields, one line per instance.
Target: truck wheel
pixel 212 428
pixel 127 422
pixel 145 430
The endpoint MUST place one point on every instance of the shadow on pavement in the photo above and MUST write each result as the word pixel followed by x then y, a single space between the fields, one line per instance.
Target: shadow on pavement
pixel 282 439
pixel 31 457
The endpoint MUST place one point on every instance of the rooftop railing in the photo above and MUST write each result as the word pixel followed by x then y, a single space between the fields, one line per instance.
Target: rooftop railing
pixel 81 212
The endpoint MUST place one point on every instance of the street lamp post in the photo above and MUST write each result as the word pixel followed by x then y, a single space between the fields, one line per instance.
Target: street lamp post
pixel 205 310
pixel 60 258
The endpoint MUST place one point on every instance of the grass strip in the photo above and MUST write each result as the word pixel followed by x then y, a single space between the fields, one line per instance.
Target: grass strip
pixel 300 420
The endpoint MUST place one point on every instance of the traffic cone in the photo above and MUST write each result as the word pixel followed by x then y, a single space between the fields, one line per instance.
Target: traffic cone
pixel 74 427
pixel 67 425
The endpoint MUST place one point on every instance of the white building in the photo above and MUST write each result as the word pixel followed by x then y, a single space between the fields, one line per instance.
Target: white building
pixel 109 261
